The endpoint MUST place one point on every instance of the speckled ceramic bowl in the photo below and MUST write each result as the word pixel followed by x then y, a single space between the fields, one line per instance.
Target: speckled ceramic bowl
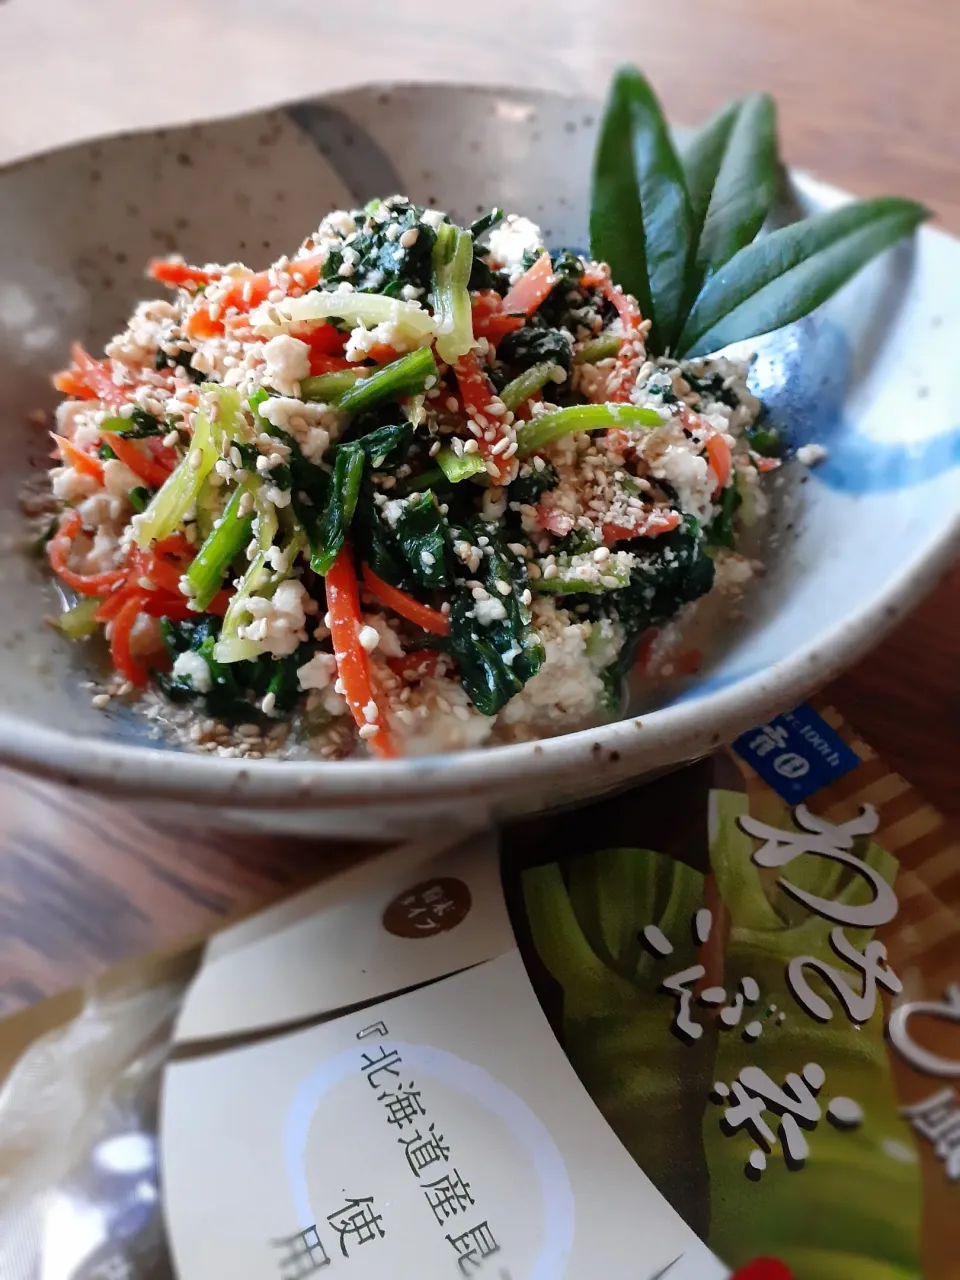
pixel 871 377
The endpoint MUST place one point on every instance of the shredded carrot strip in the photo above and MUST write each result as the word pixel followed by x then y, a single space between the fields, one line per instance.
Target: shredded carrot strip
pixel 405 605
pixel 489 321
pixel 353 661
pixel 477 394
pixel 532 289
pixel 720 458
pixel 178 274
pixel 416 666
pixel 148 470
pixel 58 551
pixel 80 461
pixel 123 659
pixel 651 525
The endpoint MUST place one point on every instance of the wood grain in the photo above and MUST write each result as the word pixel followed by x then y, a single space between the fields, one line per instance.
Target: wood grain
pixel 868 98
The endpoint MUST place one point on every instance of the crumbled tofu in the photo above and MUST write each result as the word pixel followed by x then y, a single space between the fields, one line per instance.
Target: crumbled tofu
pixel 438 718
pixel 489 611
pixel 287 363
pixel 311 425
pixel 70 486
pixel 279 624
pixel 733 572
pixel 389 333
pixel 319 672
pixel 118 479
pixel 509 241
pixel 388 642
pixel 811 454
pixel 566 693
pixel 191 666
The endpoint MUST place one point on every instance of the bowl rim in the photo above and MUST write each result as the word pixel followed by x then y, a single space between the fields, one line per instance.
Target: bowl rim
pixel 671 734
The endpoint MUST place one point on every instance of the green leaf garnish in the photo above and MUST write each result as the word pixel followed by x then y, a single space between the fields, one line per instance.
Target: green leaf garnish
pixel 640 210
pixel 787 274
pixel 732 171
pixel 685 236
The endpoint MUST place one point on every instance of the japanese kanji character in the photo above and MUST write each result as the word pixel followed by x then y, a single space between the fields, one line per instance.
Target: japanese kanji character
pixel 922 1060
pixel 304 1254
pixel 681 985
pixel 448 1196
pixel 422 1152
pixel 817 836
pixel 770 737
pixel 938 1120
pixel 358 1219
pixel 860 1005
pixel 384 1062
pixel 403 1107
pixel 436 898
pixel 473 1246
pixel 375 1029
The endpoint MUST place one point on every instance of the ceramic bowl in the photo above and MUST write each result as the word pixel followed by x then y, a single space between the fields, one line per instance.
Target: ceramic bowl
pixel 870 376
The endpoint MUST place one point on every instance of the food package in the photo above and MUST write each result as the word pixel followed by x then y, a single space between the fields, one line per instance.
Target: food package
pixel 707 1027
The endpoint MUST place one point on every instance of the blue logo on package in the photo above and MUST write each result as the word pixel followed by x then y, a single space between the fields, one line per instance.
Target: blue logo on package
pixel 797 753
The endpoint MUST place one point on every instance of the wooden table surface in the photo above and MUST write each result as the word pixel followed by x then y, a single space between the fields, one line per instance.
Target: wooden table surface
pixel 869 99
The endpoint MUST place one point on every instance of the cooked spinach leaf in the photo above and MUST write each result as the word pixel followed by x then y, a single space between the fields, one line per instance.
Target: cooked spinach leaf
pixel 528 346
pixel 531 484
pixel 235 686
pixel 423 538
pixel 486 222
pixel 182 360
pixel 380 262
pixel 671 571
pixel 496 656
pixel 721 531
pixel 329 532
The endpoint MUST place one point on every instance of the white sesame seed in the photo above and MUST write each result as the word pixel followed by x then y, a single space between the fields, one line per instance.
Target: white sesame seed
pixel 452 404
pixel 409 237
pixel 550 571
pixel 196 460
pixel 346 270
pixel 500 447
pixel 100 700
pixel 504 588
pixel 435 448
pixel 471 446
pixel 601 554
pixel 171 438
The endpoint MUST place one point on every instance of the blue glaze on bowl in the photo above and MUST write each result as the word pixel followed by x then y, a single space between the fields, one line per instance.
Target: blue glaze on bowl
pixel 803 375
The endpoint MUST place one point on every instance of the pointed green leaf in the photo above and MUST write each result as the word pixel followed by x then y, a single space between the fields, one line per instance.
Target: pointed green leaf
pixel 788 273
pixel 640 212
pixel 732 171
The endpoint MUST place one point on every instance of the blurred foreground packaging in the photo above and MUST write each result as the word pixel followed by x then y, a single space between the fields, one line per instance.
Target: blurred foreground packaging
pixel 710 1021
